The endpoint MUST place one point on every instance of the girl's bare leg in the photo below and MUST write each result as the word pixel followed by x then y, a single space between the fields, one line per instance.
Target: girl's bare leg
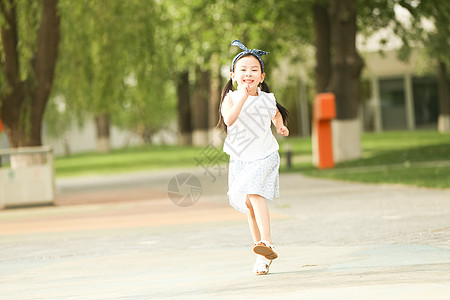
pixel 256 235
pixel 261 216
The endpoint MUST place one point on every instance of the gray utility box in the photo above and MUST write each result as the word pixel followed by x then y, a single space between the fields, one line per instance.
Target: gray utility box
pixel 26 176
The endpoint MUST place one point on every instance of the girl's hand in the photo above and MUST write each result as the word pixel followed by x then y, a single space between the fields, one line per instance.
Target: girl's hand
pixel 283 130
pixel 244 89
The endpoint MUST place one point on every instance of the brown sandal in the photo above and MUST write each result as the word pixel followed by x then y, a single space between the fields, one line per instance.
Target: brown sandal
pixel 265 249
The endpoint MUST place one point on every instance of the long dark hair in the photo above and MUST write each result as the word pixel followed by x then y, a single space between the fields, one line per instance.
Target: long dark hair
pixel 264 87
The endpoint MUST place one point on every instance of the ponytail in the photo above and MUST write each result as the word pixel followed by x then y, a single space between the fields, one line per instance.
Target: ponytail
pixel 228 87
pixel 283 111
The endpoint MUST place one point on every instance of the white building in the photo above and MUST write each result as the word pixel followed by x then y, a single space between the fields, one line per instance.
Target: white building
pixel 397 95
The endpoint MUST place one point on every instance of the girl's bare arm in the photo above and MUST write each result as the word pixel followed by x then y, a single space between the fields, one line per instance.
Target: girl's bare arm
pixel 278 122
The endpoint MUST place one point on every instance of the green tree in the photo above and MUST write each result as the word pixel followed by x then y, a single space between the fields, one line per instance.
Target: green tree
pixel 88 68
pixel 29 48
pixel 113 66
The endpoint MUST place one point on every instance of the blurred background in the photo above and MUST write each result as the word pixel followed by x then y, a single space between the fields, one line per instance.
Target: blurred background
pixel 114 104
pixel 99 76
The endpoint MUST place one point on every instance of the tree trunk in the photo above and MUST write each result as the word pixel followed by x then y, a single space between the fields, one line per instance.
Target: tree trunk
pixel 215 133
pixel 102 125
pixel 200 108
pixel 444 99
pixel 322 45
pixel 347 64
pixel 23 101
pixel 184 109
pixel 345 79
pixel 22 104
pixel 145 133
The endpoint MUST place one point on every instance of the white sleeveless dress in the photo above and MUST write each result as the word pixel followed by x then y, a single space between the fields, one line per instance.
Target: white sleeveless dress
pixel 254 159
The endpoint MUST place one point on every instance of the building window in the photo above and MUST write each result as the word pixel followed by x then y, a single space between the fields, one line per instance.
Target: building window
pixel 426 101
pixel 392 100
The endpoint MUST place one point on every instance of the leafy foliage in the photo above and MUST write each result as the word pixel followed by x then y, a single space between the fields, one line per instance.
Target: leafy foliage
pixel 113 60
pixel 123 57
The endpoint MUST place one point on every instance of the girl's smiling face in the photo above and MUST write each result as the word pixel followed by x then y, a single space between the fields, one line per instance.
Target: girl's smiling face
pixel 247 71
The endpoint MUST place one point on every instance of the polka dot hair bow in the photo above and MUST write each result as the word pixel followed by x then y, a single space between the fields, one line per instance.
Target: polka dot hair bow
pixel 255 52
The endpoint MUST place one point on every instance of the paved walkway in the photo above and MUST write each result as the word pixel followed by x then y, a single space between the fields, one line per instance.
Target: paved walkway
pixel 121 237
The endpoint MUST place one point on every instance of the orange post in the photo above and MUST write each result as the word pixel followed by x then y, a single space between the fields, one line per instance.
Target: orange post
pixel 324 110
pixel 1 126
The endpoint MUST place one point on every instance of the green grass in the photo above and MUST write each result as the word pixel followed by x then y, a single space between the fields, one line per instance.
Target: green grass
pixel 433 177
pixel 126 160
pixel 420 158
